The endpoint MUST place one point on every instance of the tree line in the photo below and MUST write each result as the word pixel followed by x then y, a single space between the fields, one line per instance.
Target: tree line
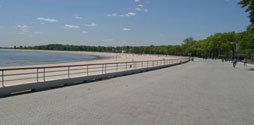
pixel 218 45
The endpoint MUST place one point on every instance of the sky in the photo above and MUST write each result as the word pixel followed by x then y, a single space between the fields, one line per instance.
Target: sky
pixel 116 22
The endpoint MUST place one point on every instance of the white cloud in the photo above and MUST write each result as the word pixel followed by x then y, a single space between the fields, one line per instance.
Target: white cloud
pixel 90 25
pixel 137 0
pixel 21 33
pixel 201 36
pixel 78 17
pixel 109 40
pixel 126 29
pixel 141 5
pixel 146 10
pixel 116 42
pixel 130 14
pixel 24 28
pixel 138 9
pixel 47 19
pixel 71 26
pixel 121 15
pixel 113 14
pixel 37 32
pixel 84 32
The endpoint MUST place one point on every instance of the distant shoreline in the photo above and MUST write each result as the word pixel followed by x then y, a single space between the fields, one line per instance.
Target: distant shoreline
pixel 60 51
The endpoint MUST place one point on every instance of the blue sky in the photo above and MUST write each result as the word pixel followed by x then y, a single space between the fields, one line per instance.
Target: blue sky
pixel 116 22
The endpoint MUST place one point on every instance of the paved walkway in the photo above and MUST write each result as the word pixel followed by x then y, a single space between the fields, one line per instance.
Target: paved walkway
pixel 196 93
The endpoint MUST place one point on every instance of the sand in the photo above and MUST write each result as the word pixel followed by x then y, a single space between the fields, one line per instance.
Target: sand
pixel 81 71
pixel 103 57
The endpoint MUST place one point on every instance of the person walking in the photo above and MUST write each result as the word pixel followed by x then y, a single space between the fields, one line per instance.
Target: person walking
pixel 245 62
pixel 234 62
pixel 192 58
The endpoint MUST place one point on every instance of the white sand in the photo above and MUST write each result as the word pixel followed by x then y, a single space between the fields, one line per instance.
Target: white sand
pixel 81 70
pixel 104 58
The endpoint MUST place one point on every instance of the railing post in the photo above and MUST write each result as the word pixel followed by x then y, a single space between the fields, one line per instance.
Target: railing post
pixel 84 69
pixel 3 78
pixel 87 70
pixel 116 67
pixel 68 71
pixel 105 68
pixel 102 66
pixel 142 64
pixel 126 66
pixel 44 74
pixel 37 74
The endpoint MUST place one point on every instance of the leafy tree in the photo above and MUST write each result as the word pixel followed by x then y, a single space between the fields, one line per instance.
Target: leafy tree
pixel 250 9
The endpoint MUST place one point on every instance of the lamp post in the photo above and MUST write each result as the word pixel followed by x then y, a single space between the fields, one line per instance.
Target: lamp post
pixel 237 48
pixel 233 49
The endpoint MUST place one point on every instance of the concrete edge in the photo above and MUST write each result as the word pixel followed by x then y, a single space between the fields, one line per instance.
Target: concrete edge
pixel 247 64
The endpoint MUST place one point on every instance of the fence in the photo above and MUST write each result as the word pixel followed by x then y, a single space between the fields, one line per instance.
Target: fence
pixel 17 76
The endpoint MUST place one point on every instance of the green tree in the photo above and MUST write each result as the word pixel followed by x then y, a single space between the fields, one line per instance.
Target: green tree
pixel 187 44
pixel 250 9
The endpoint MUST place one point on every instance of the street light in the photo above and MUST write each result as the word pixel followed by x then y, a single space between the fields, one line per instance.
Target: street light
pixel 235 47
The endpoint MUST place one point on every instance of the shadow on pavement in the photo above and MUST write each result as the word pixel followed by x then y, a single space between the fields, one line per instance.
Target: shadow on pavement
pixel 251 69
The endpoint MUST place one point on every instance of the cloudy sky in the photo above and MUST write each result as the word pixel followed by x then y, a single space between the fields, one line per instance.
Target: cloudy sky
pixel 116 22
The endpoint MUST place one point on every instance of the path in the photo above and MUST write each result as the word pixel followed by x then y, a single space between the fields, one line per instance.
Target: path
pixel 196 93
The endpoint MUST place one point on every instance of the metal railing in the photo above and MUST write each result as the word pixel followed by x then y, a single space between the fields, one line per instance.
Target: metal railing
pixel 14 76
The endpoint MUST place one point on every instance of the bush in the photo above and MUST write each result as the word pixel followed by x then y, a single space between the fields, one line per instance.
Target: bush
pixel 221 56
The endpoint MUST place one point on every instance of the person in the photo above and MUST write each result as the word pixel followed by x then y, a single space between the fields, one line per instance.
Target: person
pixel 245 62
pixel 192 58
pixel 234 62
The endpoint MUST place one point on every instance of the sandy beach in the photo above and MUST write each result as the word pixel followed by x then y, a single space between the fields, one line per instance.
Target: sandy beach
pixel 103 57
pixel 16 77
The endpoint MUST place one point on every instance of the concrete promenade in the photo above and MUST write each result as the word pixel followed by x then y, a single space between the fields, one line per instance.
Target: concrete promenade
pixel 197 93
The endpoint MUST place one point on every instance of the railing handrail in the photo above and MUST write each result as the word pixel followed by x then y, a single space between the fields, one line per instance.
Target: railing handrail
pixel 97 68
pixel 77 65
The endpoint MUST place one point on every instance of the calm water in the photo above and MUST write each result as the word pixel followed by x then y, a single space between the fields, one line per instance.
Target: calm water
pixel 21 58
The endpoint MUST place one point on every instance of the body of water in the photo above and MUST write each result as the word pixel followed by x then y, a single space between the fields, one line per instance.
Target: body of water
pixel 22 58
